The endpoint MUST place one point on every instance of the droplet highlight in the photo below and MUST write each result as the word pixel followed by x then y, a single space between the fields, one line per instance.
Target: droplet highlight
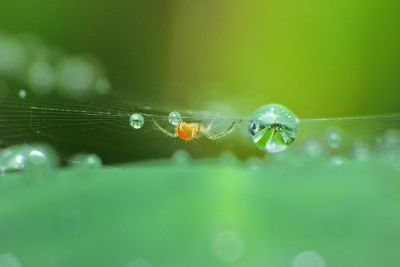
pixel 273 128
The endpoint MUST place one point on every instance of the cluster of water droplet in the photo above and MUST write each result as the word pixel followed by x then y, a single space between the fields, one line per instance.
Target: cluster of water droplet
pixel 37 160
pixel 44 69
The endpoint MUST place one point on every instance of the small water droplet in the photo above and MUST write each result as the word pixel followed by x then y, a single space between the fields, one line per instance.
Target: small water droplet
pixel 181 157
pixel 391 139
pixel 174 118
pixel 228 158
pixel 273 128
pixel 334 138
pixel 139 263
pixel 22 94
pixel 136 121
pixel 254 163
pixel 86 161
pixel 360 150
pixel 228 246
pixel 9 260
pixel 337 160
pixel 308 259
pixel 313 148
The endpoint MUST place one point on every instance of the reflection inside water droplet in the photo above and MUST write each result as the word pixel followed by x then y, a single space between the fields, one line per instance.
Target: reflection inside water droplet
pixel 136 121
pixel 273 128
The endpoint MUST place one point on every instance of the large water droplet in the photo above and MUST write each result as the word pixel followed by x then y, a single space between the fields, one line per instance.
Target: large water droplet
pixel 228 246
pixel 136 121
pixel 9 260
pixel 139 263
pixel 174 118
pixel 308 259
pixel 273 128
pixel 38 161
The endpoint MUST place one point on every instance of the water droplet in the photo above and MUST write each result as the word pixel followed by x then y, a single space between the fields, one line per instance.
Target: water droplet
pixel 334 138
pixel 22 94
pixel 38 161
pixel 391 138
pixel 228 246
pixel 228 158
pixel 337 160
pixel 139 263
pixel 254 163
pixel 76 76
pixel 136 121
pixel 360 150
pixel 9 260
pixel 273 128
pixel 313 148
pixel 308 259
pixel 86 160
pixel 174 118
pixel 181 157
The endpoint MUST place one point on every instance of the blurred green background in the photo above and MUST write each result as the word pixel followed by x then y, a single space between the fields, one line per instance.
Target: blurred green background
pixel 319 58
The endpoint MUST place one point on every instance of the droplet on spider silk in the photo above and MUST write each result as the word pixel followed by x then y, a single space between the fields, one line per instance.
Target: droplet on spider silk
pixel 91 161
pixel 174 118
pixel 273 128
pixel 22 94
pixel 136 121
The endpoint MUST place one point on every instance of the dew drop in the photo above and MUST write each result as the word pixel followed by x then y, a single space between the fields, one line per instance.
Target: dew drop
pixel 9 260
pixel 273 128
pixel 86 161
pixel 391 138
pixel 308 259
pixel 360 150
pixel 337 160
pixel 181 157
pixel 38 161
pixel 228 158
pixel 136 121
pixel 228 246
pixel 313 148
pixel 174 118
pixel 334 138
pixel 139 263
pixel 22 94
